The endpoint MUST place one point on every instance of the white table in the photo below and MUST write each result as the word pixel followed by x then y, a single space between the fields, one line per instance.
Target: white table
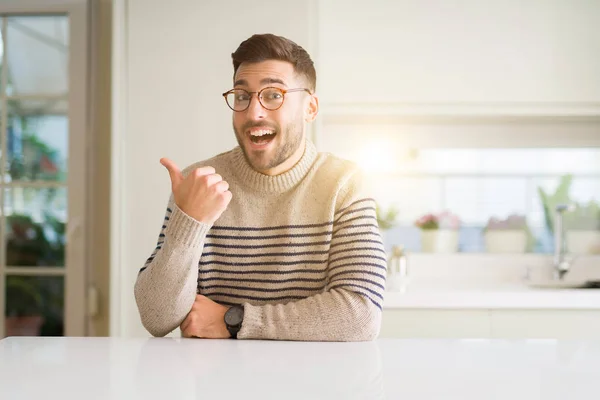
pixel 178 369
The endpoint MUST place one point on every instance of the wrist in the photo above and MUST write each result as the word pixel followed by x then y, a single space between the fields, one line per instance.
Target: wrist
pixel 198 218
pixel 223 332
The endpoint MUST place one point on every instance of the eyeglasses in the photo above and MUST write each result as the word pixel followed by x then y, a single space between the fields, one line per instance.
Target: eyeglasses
pixel 271 98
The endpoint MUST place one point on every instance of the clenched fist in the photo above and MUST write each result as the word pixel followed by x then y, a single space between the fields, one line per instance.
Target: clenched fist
pixel 203 194
pixel 206 320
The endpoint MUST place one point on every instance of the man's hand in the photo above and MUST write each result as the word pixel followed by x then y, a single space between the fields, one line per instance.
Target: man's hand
pixel 205 320
pixel 203 194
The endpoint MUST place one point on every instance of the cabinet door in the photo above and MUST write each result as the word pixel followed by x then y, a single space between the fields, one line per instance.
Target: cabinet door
pixel 413 323
pixel 545 324
pixel 466 52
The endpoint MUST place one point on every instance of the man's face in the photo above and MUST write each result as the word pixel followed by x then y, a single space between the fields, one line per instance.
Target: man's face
pixel 271 140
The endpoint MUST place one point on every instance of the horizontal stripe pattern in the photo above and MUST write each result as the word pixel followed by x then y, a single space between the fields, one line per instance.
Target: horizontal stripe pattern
pixel 283 245
pixel 357 258
pixel 264 265
pixel 160 242
pixel 284 263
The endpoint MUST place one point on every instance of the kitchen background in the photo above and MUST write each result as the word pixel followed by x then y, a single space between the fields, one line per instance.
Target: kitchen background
pixel 471 119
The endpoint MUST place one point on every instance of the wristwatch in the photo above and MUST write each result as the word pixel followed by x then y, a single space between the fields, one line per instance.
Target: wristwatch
pixel 233 319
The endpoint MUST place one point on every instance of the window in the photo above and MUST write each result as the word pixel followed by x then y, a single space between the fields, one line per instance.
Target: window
pixel 42 188
pixel 488 169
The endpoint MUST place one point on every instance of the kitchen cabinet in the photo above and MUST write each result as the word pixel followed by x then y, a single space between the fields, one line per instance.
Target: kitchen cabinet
pixel 414 323
pixel 551 324
pixel 465 56
pixel 491 323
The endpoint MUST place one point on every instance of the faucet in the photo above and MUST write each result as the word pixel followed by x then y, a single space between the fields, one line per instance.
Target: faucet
pixel 561 264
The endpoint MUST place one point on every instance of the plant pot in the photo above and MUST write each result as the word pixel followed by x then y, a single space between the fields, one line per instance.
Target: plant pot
pixel 23 326
pixel 439 241
pixel 506 241
pixel 583 242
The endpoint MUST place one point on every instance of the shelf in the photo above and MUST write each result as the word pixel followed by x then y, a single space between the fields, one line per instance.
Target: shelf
pixel 428 112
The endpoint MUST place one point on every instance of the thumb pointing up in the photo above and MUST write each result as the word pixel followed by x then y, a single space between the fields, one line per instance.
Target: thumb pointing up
pixel 174 172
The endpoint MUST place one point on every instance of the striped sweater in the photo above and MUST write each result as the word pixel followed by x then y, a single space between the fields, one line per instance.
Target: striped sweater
pixel 301 250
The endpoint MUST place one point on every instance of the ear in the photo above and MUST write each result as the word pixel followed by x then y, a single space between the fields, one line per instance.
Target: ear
pixel 312 108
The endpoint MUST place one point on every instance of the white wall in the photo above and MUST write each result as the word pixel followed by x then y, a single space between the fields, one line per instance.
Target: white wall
pixel 172 62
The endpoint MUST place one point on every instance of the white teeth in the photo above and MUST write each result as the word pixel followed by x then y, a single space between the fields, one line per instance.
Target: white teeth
pixel 262 132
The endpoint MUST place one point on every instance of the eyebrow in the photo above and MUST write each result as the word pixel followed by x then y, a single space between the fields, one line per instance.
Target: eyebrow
pixel 265 81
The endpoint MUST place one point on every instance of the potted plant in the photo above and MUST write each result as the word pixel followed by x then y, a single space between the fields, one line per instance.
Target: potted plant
pixel 23 306
pixel 510 235
pixel 29 243
pixel 439 232
pixel 582 225
pixel 386 219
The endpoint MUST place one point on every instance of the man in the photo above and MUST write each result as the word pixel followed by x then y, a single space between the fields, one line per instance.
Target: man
pixel 271 240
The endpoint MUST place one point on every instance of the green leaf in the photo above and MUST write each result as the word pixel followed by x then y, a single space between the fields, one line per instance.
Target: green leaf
pixel 386 219
pixel 550 201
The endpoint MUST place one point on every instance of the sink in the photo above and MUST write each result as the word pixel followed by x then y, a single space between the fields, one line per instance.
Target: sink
pixel 543 277
pixel 563 284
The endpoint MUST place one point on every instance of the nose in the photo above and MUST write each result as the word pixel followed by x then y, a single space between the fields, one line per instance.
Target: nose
pixel 255 110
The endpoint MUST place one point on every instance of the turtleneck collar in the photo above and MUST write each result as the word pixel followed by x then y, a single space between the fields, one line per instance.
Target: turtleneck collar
pixel 276 183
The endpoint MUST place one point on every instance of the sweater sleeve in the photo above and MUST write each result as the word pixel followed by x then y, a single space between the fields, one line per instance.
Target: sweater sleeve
pixel 166 285
pixel 350 307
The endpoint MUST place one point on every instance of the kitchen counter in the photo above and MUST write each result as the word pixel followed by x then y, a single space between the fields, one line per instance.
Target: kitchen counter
pixel 169 368
pixel 486 281
pixel 501 296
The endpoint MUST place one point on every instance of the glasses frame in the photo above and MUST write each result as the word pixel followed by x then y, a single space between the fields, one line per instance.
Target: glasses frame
pixel 258 96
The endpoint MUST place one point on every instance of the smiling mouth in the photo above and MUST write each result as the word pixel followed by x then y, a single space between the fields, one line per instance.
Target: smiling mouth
pixel 262 136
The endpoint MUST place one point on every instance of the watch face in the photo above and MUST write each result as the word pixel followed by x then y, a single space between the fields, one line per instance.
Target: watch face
pixel 234 316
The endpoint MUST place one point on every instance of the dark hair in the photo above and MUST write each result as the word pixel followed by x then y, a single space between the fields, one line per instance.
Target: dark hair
pixel 262 47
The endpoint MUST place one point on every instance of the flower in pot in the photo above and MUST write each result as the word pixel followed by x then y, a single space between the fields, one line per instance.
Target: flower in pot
pixel 439 232
pixel 510 235
pixel 23 306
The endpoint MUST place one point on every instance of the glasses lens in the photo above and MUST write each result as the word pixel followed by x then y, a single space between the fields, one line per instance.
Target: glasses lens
pixel 271 98
pixel 238 99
